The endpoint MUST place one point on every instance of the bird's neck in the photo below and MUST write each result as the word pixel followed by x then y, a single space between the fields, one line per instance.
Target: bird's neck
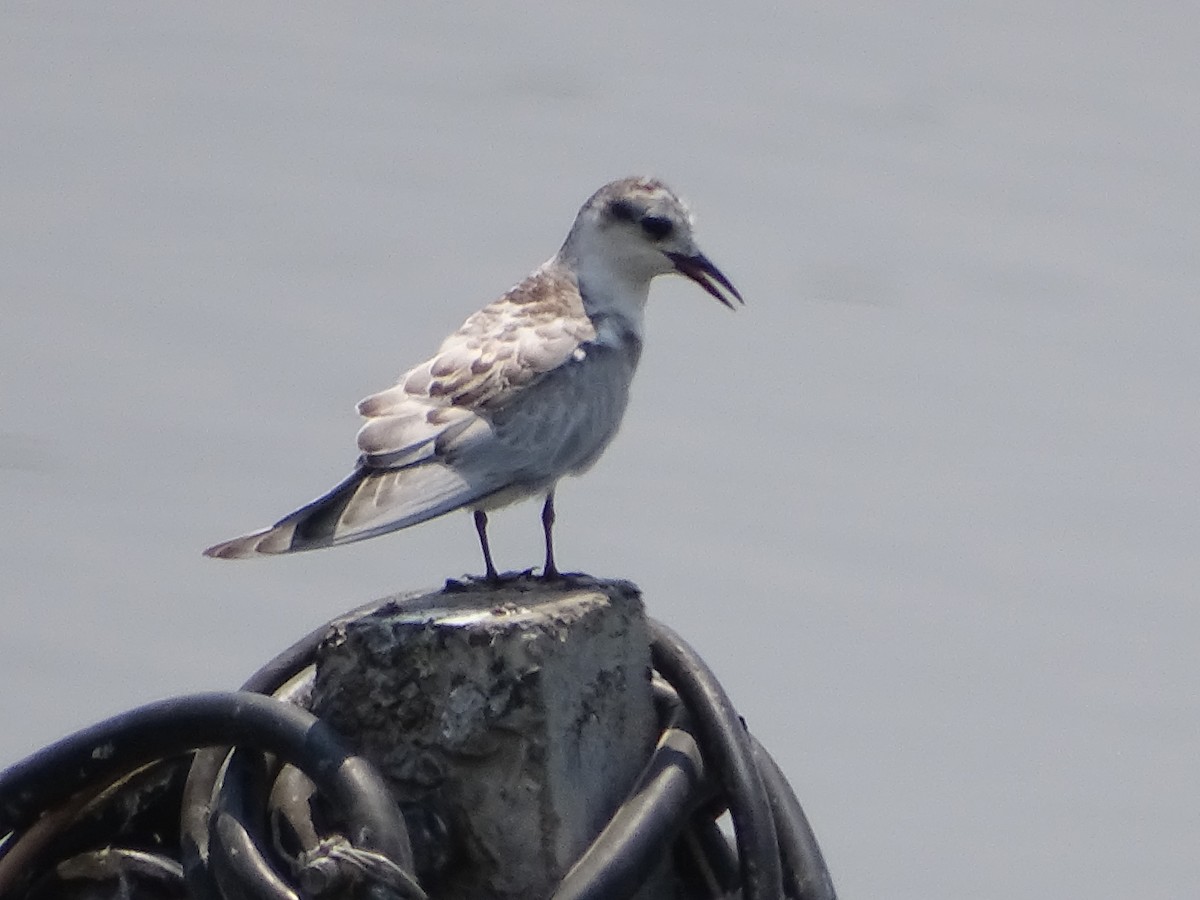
pixel 612 299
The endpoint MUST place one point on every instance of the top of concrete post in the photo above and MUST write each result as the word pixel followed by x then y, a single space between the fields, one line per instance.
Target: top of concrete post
pixel 510 720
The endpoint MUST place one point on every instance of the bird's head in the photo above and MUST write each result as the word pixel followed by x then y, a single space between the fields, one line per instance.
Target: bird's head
pixel 637 228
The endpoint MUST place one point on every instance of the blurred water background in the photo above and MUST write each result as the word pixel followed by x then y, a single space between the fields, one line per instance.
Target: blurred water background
pixel 927 504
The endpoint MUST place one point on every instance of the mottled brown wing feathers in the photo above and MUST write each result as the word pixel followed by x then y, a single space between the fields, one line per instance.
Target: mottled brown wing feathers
pixel 498 352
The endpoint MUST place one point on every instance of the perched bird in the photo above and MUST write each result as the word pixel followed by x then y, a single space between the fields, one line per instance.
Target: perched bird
pixel 530 388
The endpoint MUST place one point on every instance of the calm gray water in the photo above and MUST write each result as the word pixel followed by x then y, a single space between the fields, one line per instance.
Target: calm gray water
pixel 928 504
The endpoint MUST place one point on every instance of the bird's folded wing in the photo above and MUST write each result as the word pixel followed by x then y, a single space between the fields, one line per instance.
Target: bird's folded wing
pixel 497 354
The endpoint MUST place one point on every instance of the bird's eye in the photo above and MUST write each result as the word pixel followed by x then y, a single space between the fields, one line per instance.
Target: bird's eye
pixel 623 210
pixel 657 227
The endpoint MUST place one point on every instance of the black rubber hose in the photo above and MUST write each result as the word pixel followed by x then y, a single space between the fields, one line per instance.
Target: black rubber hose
pixel 107 750
pixel 137 873
pixel 23 854
pixel 198 792
pixel 194 820
pixel 283 668
pixel 235 857
pixel 240 868
pixel 236 854
pixel 806 876
pixel 640 833
pixel 139 809
pixel 705 861
pixel 729 754
pixel 276 673
pixel 290 807
pixel 777 852
pixel 238 829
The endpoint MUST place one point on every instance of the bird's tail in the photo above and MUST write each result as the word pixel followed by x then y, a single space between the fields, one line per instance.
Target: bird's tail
pixel 367 503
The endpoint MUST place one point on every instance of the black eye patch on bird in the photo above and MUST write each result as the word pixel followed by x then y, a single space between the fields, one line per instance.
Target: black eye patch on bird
pixel 623 210
pixel 657 227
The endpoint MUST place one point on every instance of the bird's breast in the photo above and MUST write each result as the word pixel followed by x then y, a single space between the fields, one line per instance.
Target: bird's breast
pixel 619 335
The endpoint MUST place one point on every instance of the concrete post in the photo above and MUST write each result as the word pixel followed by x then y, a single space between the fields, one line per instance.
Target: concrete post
pixel 510 722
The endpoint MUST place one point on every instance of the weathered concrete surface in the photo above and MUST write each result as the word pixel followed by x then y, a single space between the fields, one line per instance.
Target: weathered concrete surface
pixel 510 721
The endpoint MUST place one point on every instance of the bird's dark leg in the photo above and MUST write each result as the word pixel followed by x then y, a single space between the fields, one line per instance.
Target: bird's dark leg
pixel 549 571
pixel 481 529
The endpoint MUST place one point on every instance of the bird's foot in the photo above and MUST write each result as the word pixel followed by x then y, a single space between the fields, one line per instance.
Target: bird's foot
pixel 488 579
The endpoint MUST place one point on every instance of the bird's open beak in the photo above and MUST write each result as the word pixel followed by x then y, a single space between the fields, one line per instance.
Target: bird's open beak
pixel 701 270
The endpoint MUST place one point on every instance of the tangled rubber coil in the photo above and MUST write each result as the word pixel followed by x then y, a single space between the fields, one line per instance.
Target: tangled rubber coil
pixel 173 800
